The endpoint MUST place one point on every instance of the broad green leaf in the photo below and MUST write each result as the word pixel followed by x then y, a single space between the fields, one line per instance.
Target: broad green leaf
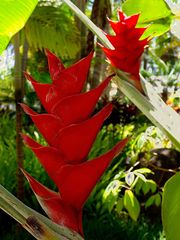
pixel 171 208
pixel 157 27
pixel 154 12
pixel 13 16
pixel 131 204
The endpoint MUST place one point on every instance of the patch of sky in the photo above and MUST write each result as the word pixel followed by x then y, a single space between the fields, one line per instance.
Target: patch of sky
pixel 6 62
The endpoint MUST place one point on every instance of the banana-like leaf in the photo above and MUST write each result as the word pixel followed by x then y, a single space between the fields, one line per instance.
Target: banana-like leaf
pixel 13 16
pixel 36 224
pixel 155 13
pixel 151 105
pixel 171 208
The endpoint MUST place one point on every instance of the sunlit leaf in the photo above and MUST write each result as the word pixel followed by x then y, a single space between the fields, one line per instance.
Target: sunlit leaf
pixel 154 12
pixel 113 188
pixel 13 16
pixel 131 204
pixel 171 208
pixel 143 171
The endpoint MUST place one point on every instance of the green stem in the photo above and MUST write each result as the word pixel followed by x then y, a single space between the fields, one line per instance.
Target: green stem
pixel 158 112
pixel 36 224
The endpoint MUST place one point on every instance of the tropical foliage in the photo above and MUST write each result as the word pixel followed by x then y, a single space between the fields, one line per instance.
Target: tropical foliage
pixel 138 72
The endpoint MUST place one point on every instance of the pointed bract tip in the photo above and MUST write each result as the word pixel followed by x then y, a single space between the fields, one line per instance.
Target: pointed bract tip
pixel 24 137
pixel 51 54
pixel 27 109
pixel 121 15
pixel 109 20
pixel 39 188
pixel 26 174
pixel 30 142
pixel 48 52
pixel 29 77
pixel 108 109
pixel 132 21
pixel 92 52
pixel 86 58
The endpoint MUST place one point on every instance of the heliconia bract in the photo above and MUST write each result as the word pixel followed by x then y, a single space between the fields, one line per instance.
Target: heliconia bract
pixel 128 48
pixel 70 131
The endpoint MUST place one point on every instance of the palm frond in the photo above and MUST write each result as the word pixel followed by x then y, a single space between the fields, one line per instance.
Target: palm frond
pixel 53 28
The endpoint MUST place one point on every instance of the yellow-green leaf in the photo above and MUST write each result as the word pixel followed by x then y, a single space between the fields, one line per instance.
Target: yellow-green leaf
pixel 171 208
pixel 13 16
pixel 131 204
pixel 154 12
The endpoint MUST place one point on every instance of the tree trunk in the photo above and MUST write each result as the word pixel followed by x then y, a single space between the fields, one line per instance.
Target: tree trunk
pixel 19 94
pixel 81 4
pixel 100 9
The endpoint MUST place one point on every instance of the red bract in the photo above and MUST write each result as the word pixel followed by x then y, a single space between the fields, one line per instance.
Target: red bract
pixel 128 47
pixel 54 206
pixel 70 131
pixel 68 81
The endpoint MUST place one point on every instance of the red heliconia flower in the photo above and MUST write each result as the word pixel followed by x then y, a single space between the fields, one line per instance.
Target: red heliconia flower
pixel 72 140
pixel 65 81
pixel 128 47
pixel 70 131
pixel 71 109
